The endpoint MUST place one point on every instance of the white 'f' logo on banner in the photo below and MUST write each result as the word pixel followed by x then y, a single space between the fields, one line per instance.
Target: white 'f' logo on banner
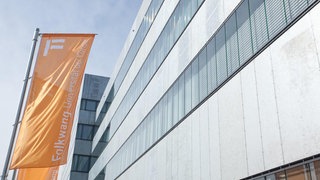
pixel 53 44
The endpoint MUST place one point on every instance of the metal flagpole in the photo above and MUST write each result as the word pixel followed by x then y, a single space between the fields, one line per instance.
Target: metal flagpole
pixel 15 126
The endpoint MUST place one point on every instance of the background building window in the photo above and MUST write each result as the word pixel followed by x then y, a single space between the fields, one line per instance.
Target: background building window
pixel 82 163
pixel 89 105
pixel 86 131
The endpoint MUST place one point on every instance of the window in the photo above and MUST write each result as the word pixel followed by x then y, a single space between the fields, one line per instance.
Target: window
pixel 175 103
pixel 188 91
pixel 149 131
pixel 89 105
pixel 80 163
pixel 195 82
pixel 86 131
pixel 276 16
pixel 232 44
pixel 102 172
pixel 244 33
pixel 105 135
pixel 165 113
pixel 203 76
pixel 212 65
pixel 259 30
pixel 262 178
pixel 221 56
pixel 300 171
pixel 315 170
pixel 170 108
pixel 105 107
pixel 161 118
pixel 295 7
pixel 181 97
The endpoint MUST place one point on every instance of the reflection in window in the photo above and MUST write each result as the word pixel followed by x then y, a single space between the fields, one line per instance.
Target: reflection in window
pixel 276 16
pixel 181 97
pixel 89 105
pixel 259 29
pixel 316 170
pixel 203 76
pixel 244 36
pixel 212 66
pixel 280 175
pixel 170 107
pixel 175 103
pixel 81 163
pixel 86 131
pixel 105 135
pixel 298 173
pixel 188 91
pixel 105 107
pixel 221 56
pixel 232 45
pixel 307 171
pixel 195 83
pixel 270 177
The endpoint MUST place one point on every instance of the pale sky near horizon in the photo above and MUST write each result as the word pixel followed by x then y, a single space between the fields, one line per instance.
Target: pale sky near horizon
pixel 110 19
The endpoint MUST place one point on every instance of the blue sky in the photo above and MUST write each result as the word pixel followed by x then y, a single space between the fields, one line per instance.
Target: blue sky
pixel 110 19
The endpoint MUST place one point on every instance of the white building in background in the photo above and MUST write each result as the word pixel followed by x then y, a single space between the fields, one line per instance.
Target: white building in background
pixel 213 89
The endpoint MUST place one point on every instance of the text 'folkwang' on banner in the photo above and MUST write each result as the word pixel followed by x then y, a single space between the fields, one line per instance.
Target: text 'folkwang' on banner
pixel 44 135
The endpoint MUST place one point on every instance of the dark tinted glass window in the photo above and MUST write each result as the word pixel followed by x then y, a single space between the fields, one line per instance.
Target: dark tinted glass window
pixel 81 163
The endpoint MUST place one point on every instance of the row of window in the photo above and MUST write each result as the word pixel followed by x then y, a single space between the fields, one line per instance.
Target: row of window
pixel 138 39
pixel 251 26
pixel 136 44
pixel 176 24
pixel 86 131
pixel 82 163
pixel 145 25
pixel 307 171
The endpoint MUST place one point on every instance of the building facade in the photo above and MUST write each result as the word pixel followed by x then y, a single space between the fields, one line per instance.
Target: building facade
pixel 213 89
pixel 80 156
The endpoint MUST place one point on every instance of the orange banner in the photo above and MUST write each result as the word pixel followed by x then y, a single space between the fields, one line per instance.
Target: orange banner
pixel 46 126
pixel 38 173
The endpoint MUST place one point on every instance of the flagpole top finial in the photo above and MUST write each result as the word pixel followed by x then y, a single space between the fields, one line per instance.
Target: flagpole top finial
pixel 36 34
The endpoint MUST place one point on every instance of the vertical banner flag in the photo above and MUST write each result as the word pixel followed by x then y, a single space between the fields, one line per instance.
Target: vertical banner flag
pixel 44 135
pixel 50 173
